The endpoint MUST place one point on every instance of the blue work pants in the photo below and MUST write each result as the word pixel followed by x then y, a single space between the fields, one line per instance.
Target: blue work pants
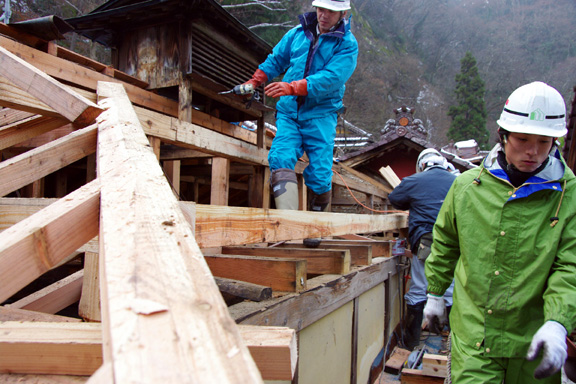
pixel 313 136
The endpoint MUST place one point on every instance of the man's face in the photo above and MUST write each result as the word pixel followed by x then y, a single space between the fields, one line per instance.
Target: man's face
pixel 527 152
pixel 327 18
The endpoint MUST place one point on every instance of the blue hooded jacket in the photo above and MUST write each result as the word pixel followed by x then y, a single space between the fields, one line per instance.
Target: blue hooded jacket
pixel 326 67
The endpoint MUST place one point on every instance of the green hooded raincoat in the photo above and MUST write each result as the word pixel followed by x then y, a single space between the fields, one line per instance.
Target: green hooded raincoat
pixel 512 252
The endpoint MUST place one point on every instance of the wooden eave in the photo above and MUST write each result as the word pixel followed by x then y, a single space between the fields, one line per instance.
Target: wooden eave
pixel 377 150
pixel 106 23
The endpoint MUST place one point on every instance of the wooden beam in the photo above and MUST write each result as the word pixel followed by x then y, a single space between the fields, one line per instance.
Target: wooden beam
pixel 30 166
pixel 359 254
pixel 273 349
pixel 76 348
pixel 172 172
pixel 14 314
pixel 15 209
pixel 85 77
pixel 13 97
pixel 55 297
pixel 287 275
pixel 193 136
pixel 11 116
pixel 380 248
pixel 155 281
pixel 318 261
pixel 27 129
pixel 89 306
pixel 222 225
pixel 47 238
pixel 50 348
pixel 220 181
pixel 70 105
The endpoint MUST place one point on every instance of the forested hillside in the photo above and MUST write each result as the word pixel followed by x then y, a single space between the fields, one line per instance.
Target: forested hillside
pixel 410 50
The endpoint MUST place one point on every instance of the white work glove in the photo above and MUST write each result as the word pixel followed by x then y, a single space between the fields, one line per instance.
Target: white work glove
pixel 435 313
pixel 551 339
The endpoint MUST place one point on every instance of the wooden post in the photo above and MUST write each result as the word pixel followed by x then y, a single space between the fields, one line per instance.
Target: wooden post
pixel 220 181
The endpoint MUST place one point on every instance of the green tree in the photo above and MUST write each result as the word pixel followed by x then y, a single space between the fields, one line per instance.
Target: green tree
pixel 469 116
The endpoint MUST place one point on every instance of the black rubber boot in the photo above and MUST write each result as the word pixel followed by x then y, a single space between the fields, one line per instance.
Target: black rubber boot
pixel 413 330
pixel 317 203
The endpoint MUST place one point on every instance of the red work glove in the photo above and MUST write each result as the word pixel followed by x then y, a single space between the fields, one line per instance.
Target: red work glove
pixel 258 78
pixel 295 88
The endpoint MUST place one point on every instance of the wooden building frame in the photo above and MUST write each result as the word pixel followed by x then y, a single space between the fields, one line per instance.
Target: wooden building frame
pixel 147 291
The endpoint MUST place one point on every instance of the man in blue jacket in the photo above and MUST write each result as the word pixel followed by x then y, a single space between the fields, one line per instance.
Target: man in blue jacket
pixel 317 58
pixel 422 194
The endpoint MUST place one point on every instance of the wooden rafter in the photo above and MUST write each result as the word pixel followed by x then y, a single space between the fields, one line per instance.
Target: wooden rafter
pixel 72 106
pixel 39 162
pixel 47 238
pixel 165 320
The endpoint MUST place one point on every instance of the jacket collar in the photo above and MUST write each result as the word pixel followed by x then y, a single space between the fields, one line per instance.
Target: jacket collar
pixel 309 21
pixel 553 171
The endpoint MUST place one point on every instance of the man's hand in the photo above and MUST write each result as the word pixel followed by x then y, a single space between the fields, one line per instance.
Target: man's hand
pixel 258 78
pixel 295 88
pixel 551 339
pixel 435 313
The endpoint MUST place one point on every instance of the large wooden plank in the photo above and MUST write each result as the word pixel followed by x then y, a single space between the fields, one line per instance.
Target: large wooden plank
pixel 70 105
pixel 319 261
pixel 76 348
pixel 280 274
pixel 30 166
pixel 217 226
pixel 45 239
pixel 222 225
pixel 154 280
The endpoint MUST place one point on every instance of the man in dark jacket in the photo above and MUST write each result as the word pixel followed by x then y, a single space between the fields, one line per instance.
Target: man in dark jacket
pixel 422 194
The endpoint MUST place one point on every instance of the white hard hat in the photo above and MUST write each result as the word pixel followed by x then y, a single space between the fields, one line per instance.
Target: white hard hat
pixel 333 5
pixel 429 158
pixel 535 109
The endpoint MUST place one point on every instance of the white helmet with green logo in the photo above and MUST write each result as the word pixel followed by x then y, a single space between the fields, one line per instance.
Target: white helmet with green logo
pixel 535 109
pixel 333 5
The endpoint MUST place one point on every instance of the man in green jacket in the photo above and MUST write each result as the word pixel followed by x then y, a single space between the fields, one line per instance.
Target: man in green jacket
pixel 507 234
